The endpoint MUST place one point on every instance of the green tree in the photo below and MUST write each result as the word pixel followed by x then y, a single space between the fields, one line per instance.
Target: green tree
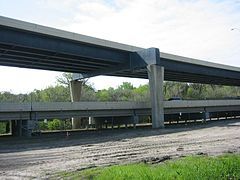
pixel 142 93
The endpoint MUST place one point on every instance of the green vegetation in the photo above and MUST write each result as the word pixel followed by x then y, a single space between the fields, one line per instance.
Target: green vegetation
pixel 192 167
pixel 55 124
pixel 125 92
pixel 3 126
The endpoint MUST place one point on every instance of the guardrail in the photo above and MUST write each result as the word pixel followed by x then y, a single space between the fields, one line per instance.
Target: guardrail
pixel 36 111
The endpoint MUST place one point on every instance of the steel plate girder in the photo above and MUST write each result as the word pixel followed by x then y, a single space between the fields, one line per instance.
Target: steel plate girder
pixel 56 45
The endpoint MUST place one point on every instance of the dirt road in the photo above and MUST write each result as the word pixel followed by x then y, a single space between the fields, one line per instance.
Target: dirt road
pixel 43 157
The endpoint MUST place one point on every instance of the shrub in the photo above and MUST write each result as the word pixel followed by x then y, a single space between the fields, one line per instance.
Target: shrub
pixel 55 124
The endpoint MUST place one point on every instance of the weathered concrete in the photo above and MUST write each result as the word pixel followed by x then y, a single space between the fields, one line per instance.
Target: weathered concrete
pixel 75 91
pixel 156 78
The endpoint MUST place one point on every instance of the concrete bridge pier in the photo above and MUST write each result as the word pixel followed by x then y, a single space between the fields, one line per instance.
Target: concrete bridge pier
pixel 156 78
pixel 27 127
pixel 22 127
pixel 135 120
pixel 75 92
pixel 16 127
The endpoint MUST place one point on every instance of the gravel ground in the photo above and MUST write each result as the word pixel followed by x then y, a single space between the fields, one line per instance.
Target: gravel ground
pixel 42 157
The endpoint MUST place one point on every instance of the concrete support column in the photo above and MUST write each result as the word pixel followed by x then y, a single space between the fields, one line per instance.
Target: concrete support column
pixel 16 127
pixel 8 129
pixel 90 121
pixel 27 128
pixel 156 78
pixel 24 127
pixel 205 115
pixel 135 120
pixel 75 92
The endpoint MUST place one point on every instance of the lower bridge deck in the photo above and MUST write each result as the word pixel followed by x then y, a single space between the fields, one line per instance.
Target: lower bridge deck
pixel 173 109
pixel 25 117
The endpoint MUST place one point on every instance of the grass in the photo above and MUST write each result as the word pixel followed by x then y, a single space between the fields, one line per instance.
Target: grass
pixel 192 167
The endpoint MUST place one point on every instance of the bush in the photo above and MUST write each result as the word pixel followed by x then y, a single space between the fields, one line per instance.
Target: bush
pixel 43 125
pixel 55 124
pixel 3 126
pixel 68 124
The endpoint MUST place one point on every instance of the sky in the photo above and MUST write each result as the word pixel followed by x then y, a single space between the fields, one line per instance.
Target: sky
pixel 193 28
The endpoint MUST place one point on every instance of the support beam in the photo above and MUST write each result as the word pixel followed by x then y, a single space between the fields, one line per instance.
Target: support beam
pixel 22 127
pixel 135 120
pixel 26 128
pixel 16 127
pixel 75 91
pixel 156 78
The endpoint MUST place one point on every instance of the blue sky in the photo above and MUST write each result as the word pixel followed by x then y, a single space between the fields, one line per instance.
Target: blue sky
pixel 197 28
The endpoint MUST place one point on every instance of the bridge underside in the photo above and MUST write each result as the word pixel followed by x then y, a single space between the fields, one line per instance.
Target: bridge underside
pixel 25 56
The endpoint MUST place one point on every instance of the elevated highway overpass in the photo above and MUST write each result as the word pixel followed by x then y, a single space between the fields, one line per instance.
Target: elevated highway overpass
pixel 28 45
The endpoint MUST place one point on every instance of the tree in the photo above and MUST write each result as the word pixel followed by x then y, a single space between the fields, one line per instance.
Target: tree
pixel 126 86
pixel 65 79
pixel 88 92
pixel 124 92
pixel 142 93
pixel 57 93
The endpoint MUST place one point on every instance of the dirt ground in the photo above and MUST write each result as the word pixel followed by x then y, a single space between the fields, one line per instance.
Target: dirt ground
pixel 44 156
